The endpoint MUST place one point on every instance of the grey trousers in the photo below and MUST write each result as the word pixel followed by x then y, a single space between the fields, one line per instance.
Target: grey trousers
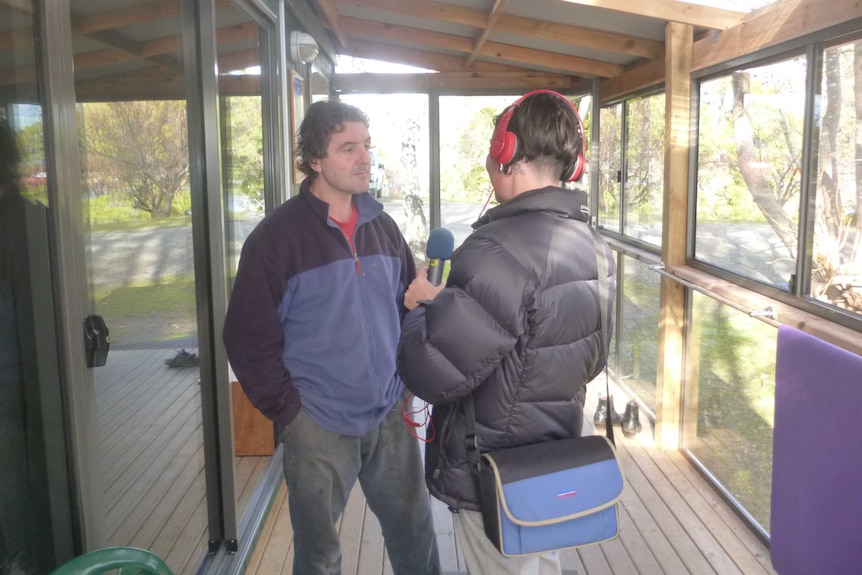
pixel 483 558
pixel 321 467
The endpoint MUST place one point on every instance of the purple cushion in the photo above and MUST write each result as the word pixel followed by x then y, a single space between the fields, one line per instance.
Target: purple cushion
pixel 817 457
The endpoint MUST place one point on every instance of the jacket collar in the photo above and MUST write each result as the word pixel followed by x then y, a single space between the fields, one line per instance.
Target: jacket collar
pixel 570 204
pixel 366 205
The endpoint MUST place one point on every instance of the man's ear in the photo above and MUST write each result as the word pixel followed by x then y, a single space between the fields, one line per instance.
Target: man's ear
pixel 315 164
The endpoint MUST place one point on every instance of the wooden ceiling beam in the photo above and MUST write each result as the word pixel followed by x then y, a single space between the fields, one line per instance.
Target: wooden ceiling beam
pixel 423 83
pixel 330 13
pixel 171 45
pixel 422 58
pixel 671 11
pixel 774 24
pixel 128 16
pixel 493 16
pixel 22 6
pixel 132 15
pixel 528 27
pixel 530 57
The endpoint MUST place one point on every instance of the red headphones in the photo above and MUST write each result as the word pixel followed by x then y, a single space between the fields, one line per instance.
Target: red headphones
pixel 504 144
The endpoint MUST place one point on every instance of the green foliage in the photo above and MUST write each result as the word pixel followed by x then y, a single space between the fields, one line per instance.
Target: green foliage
pixel 31 146
pixel 137 148
pixel 182 204
pixel 609 164
pixel 472 148
pixel 243 146
pixel 158 311
pixel 734 383
pixel 37 194
pixel 465 132
pixel 735 399
pixel 112 209
pixel 771 111
pixel 644 177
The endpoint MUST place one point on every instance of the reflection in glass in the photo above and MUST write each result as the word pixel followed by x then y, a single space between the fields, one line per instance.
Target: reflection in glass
pixel 610 169
pixel 25 524
pixel 33 473
pixel 729 401
pixel 637 334
pixel 749 170
pixel 836 271
pixel 643 185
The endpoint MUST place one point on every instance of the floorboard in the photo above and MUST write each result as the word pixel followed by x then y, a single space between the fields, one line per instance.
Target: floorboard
pixel 672 522
pixel 152 461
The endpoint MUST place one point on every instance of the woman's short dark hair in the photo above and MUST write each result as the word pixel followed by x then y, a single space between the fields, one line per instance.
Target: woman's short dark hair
pixel 549 132
pixel 322 119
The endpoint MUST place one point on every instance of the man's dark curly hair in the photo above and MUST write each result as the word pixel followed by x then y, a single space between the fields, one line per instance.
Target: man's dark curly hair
pixel 549 132
pixel 322 119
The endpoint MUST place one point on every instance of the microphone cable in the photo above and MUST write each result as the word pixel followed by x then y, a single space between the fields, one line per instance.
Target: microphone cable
pixel 413 425
pixel 494 183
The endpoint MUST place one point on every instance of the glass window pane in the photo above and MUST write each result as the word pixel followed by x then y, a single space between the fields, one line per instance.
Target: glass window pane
pixel 466 126
pixel 637 333
pixel 133 148
pixel 748 174
pixel 729 401
pixel 400 149
pixel 35 512
pixel 836 271
pixel 242 156
pixel 609 167
pixel 643 185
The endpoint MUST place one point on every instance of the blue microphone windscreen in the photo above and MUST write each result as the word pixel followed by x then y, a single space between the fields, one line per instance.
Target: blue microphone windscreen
pixel 440 244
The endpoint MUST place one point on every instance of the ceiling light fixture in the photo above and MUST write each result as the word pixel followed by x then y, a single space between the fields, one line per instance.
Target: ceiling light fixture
pixel 303 47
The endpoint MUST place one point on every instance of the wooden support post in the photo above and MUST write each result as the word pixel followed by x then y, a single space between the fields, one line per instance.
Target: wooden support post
pixel 671 346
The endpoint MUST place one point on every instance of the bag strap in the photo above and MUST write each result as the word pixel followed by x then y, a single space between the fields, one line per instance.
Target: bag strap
pixel 602 264
pixel 471 439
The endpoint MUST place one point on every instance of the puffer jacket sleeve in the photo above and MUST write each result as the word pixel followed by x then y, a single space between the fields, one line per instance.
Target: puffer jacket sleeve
pixel 450 345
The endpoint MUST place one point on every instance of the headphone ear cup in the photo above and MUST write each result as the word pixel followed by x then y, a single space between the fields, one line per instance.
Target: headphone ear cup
pixel 508 149
pixel 504 144
pixel 577 169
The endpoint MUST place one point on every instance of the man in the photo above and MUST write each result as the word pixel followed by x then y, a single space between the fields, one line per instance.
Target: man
pixel 517 324
pixel 311 333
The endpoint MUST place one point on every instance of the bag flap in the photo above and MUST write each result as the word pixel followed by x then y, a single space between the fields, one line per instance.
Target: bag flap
pixel 556 481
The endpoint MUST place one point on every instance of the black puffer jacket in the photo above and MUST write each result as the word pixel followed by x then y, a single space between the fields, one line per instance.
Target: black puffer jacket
pixel 518 325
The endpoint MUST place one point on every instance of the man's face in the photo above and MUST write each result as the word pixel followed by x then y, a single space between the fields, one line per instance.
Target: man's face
pixel 346 167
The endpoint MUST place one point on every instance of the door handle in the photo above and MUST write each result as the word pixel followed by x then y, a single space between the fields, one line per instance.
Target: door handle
pixel 97 340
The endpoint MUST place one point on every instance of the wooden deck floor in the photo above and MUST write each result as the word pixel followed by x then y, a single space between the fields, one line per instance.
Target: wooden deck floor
pixel 152 473
pixel 152 461
pixel 672 522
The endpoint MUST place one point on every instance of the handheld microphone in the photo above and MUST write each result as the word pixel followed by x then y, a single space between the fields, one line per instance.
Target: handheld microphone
pixel 439 248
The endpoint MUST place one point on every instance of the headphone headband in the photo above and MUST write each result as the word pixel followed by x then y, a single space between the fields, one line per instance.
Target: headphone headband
pixel 505 144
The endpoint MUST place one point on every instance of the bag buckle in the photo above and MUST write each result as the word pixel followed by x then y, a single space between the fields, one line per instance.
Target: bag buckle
pixel 471 444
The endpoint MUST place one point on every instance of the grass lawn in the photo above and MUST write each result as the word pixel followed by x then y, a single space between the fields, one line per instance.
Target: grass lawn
pixel 149 312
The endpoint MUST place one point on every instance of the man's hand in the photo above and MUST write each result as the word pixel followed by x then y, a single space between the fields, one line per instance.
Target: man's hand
pixel 421 290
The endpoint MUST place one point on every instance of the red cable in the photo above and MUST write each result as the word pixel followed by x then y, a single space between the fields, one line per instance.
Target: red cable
pixel 412 425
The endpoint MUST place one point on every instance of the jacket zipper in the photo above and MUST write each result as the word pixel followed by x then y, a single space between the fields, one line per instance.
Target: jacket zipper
pixel 378 385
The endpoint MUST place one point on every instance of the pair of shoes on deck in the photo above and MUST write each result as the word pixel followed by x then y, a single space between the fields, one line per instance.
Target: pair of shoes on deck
pixel 629 421
pixel 183 358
